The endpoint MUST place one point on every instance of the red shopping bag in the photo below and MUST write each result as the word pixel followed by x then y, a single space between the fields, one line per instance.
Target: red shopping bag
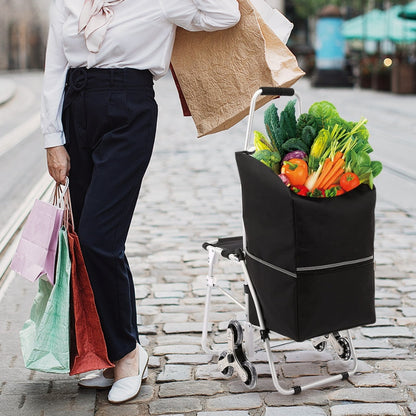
pixel 88 348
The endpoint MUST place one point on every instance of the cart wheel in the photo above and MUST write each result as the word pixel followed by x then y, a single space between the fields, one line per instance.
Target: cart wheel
pixel 321 346
pixel 229 370
pixel 237 331
pixel 251 374
pixel 346 349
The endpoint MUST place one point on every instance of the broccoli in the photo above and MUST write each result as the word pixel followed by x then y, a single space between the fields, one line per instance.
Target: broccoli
pixel 270 159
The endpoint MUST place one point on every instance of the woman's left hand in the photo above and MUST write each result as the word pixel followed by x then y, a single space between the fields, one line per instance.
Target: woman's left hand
pixel 58 163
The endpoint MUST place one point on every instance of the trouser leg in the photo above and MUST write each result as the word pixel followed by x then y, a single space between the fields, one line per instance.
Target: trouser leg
pixel 106 179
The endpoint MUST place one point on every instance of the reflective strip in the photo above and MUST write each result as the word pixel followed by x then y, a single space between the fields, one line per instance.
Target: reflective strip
pixel 272 266
pixel 310 268
pixel 330 266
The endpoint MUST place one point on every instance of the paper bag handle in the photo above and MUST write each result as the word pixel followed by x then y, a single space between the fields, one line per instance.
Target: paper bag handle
pixel 288 92
pixel 58 194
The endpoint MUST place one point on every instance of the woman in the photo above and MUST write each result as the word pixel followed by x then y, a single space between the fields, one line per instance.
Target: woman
pixel 99 121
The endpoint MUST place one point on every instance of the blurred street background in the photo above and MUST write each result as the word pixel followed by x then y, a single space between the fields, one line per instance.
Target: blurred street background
pixel 353 58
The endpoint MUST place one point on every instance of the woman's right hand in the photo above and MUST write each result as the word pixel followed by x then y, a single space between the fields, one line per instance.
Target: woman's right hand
pixel 58 163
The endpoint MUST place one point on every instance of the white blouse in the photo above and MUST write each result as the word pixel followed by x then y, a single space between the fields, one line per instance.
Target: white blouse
pixel 140 35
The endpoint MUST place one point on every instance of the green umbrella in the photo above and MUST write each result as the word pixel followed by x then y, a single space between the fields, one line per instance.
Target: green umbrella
pixel 399 30
pixel 381 25
pixel 366 26
pixel 409 11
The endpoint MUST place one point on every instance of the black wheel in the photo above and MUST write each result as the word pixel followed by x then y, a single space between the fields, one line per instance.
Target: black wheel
pixel 251 374
pixel 237 331
pixel 321 346
pixel 346 349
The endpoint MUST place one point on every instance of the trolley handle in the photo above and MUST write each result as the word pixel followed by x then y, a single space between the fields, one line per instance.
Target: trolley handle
pixel 276 92
pixel 288 92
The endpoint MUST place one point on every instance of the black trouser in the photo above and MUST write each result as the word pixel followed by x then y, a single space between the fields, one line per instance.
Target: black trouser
pixel 109 118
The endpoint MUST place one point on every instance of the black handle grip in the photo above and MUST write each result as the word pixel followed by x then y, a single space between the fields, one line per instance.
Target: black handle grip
pixel 277 91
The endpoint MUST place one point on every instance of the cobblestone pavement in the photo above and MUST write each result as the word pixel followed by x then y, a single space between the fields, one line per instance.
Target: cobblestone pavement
pixel 191 194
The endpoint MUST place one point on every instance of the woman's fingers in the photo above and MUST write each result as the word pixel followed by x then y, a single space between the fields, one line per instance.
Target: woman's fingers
pixel 58 163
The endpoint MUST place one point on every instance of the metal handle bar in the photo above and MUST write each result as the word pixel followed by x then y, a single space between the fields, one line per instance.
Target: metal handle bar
pixel 266 91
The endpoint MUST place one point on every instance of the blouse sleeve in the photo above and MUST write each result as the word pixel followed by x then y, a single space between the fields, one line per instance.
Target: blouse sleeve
pixel 207 15
pixel 56 66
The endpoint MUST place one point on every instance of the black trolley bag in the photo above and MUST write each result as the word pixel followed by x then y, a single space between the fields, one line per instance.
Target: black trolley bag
pixel 310 260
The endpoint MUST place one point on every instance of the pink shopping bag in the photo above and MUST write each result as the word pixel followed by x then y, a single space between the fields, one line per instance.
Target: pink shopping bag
pixel 36 251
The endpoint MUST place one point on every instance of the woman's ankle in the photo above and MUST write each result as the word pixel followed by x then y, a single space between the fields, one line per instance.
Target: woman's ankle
pixel 127 366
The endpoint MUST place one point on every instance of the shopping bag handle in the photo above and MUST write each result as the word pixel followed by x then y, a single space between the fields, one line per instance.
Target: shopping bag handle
pixel 58 194
pixel 68 219
pixel 277 91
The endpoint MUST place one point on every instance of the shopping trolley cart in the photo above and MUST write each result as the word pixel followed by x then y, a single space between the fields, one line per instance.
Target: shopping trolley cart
pixel 308 267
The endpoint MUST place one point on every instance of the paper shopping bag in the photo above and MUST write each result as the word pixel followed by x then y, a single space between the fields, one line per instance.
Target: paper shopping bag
pixel 44 337
pixel 88 347
pixel 281 26
pixel 36 251
pixel 218 72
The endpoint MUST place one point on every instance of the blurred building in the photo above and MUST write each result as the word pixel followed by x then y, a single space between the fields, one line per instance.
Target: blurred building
pixel 23 33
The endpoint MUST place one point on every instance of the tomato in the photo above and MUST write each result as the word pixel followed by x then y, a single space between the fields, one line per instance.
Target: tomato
pixel 349 181
pixel 296 171
pixel 339 189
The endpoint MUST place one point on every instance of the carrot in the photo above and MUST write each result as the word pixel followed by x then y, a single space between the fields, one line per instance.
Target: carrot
pixel 334 167
pixel 333 178
pixel 325 169
pixel 338 165
pixel 338 155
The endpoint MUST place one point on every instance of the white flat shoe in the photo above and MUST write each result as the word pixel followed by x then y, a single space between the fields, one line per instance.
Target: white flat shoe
pixel 128 387
pixel 96 381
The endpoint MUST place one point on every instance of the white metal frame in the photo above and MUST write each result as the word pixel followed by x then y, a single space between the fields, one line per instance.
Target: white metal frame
pixel 213 255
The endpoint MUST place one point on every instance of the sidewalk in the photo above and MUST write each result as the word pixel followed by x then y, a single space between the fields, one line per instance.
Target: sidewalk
pixel 191 194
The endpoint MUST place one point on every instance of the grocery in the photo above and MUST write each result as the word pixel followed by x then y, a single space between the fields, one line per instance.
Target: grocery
pixel 333 152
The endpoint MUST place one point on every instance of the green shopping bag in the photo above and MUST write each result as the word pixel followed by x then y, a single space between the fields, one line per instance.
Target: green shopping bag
pixel 44 337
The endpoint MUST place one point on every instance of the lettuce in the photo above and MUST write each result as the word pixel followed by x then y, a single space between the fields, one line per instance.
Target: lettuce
pixel 324 112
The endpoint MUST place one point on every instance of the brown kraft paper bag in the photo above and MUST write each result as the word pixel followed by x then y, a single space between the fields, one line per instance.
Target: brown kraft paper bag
pixel 218 72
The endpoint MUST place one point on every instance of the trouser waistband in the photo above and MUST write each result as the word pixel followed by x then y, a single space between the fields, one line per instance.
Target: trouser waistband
pixel 107 78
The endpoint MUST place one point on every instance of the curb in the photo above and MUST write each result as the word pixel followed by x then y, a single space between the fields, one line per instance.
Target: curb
pixel 7 90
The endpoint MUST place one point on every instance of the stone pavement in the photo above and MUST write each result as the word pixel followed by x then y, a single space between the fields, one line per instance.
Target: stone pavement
pixel 191 194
